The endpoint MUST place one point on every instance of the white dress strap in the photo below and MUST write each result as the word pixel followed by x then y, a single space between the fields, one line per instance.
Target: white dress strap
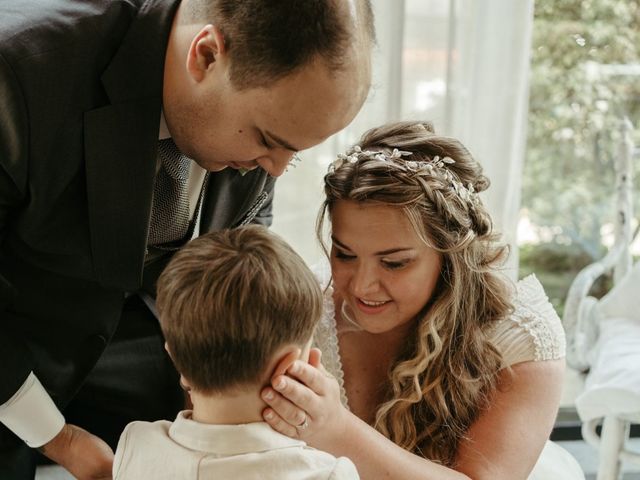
pixel 533 332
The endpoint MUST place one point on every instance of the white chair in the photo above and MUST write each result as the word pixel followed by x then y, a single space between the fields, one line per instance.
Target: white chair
pixel 603 336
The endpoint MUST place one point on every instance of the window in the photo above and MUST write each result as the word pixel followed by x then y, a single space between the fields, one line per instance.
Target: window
pixel 585 78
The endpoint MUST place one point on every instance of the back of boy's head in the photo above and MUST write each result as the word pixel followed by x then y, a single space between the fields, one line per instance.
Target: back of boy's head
pixel 229 300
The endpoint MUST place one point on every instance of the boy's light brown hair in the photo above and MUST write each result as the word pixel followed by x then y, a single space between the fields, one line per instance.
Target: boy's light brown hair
pixel 229 299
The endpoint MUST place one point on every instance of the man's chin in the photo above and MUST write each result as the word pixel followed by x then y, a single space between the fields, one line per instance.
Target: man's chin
pixel 212 167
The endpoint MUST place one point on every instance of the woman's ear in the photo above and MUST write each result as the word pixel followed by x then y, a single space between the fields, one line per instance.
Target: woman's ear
pixel 207 49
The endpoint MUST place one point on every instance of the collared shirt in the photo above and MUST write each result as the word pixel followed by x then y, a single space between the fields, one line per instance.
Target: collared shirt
pixel 186 449
pixel 17 414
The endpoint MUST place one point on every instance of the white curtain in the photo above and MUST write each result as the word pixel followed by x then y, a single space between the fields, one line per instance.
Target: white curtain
pixel 490 99
pixel 462 64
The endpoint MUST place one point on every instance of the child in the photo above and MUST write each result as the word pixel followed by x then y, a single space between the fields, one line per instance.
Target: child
pixel 236 307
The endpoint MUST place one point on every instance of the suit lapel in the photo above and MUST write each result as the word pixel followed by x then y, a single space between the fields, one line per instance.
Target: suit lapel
pixel 121 146
pixel 120 175
pixel 229 198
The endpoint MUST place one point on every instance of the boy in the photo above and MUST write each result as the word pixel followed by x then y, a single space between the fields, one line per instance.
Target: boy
pixel 236 307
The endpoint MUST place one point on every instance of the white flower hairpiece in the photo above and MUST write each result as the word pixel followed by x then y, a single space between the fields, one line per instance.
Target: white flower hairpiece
pixel 357 152
pixel 437 167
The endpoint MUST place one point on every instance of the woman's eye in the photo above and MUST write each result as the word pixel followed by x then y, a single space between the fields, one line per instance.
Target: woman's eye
pixel 344 256
pixel 394 265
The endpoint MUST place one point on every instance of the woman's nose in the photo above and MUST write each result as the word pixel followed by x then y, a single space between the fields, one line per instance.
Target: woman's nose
pixel 364 281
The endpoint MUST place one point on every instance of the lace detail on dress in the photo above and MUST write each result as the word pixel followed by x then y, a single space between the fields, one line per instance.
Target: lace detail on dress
pixel 533 331
pixel 326 336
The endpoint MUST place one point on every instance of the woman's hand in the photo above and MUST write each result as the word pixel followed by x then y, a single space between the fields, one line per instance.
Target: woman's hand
pixel 305 403
pixel 309 392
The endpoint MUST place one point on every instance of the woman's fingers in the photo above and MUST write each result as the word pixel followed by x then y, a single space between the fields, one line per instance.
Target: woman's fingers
pixel 278 424
pixel 315 356
pixel 300 401
pixel 297 406
pixel 317 379
pixel 285 401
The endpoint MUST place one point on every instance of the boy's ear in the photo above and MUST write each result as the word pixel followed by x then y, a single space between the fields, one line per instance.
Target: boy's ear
pixel 289 356
pixel 184 383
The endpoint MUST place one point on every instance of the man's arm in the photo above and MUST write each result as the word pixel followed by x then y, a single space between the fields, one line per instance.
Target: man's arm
pixel 21 393
pixel 15 358
pixel 25 406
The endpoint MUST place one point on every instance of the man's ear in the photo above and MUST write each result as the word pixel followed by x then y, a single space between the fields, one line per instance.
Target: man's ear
pixel 289 356
pixel 206 48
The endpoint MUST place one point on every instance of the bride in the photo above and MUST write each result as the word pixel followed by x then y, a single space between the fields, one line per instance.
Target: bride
pixel 436 366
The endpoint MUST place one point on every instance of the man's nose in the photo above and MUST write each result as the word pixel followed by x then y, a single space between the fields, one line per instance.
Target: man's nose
pixel 276 162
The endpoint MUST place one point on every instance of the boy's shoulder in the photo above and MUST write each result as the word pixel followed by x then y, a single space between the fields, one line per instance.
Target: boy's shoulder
pixel 344 469
pixel 141 443
pixel 160 450
pixel 320 465
pixel 144 431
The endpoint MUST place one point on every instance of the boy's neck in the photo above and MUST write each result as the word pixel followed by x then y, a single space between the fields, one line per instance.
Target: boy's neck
pixel 233 408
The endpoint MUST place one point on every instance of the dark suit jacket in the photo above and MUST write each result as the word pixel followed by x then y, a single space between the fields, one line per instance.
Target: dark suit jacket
pixel 80 103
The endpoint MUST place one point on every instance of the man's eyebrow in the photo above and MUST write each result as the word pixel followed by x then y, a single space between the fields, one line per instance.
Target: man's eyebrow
pixel 280 142
pixel 383 252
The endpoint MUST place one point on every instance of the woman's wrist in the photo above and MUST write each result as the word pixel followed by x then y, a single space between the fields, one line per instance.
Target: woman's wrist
pixel 338 439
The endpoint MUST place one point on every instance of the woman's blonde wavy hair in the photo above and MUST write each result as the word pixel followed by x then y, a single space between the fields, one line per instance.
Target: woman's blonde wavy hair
pixel 448 370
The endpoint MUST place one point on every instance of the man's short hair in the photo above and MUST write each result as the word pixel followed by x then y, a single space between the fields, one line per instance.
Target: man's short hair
pixel 268 39
pixel 229 300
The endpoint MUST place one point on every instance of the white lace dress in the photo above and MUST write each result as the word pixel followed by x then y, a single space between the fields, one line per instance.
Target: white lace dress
pixel 532 333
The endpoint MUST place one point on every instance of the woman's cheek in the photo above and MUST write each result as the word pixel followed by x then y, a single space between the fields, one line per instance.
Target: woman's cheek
pixel 340 277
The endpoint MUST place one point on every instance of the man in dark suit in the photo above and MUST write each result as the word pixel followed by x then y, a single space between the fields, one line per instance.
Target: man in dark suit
pixel 89 91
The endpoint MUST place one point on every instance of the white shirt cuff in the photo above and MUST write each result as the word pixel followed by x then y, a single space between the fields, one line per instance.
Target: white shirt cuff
pixel 31 414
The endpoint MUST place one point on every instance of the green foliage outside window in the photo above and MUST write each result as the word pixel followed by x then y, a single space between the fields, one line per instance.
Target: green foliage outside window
pixel 585 77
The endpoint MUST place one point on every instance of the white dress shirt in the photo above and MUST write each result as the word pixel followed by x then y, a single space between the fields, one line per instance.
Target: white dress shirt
pixel 17 414
pixel 189 450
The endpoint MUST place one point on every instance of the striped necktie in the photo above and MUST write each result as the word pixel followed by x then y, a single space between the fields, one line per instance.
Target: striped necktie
pixel 170 210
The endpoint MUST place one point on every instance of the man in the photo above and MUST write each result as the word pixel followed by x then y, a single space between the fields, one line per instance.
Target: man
pixel 102 106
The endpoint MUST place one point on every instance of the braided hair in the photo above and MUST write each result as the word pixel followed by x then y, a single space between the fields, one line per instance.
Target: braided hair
pixel 442 380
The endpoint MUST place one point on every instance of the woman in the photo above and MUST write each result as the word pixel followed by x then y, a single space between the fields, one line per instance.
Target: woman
pixel 438 367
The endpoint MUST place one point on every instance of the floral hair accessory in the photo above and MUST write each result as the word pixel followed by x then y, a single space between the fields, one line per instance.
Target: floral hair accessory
pixel 357 153
pixel 437 167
